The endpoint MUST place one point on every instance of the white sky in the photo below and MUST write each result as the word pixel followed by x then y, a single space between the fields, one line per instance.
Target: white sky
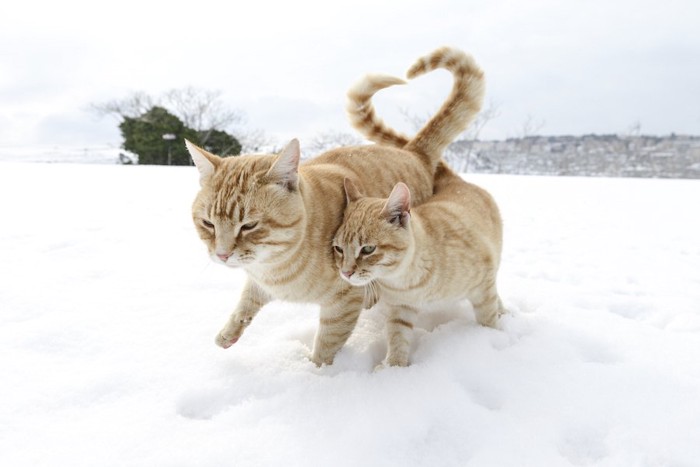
pixel 578 66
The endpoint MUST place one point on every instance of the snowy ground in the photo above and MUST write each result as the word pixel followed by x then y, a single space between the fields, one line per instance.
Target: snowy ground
pixel 105 154
pixel 109 307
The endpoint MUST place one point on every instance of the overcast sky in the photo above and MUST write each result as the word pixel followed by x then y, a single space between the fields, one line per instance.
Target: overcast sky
pixel 573 66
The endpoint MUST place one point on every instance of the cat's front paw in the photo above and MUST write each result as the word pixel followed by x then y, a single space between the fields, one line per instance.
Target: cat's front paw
pixel 233 330
pixel 225 341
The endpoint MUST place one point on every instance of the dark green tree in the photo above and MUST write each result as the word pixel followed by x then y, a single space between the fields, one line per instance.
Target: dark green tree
pixel 219 142
pixel 143 135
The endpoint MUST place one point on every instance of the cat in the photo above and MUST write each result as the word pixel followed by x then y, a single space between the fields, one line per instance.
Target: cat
pixel 276 218
pixel 445 250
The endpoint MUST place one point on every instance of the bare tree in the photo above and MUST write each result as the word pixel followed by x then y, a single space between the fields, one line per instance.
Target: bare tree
pixel 470 136
pixel 530 128
pixel 415 121
pixel 630 151
pixel 459 154
pixel 199 109
pixel 255 141
pixel 132 106
pixel 331 139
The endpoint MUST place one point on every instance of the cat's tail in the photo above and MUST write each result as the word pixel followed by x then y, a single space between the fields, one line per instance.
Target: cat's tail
pixel 362 115
pixel 455 115
pixel 460 108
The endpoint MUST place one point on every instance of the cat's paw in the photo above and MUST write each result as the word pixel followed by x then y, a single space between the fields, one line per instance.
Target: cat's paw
pixel 320 361
pixel 225 340
pixel 399 361
pixel 227 336
pixel 233 330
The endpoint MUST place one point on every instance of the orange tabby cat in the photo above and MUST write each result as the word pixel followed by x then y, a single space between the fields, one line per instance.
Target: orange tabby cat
pixel 445 250
pixel 276 218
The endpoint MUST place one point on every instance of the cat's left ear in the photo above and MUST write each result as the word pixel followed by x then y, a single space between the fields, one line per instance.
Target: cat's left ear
pixel 351 192
pixel 397 209
pixel 206 162
pixel 285 171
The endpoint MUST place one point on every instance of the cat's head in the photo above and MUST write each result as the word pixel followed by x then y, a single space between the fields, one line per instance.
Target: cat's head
pixel 249 209
pixel 375 235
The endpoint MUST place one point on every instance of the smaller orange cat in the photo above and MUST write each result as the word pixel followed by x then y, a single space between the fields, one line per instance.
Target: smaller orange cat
pixel 445 250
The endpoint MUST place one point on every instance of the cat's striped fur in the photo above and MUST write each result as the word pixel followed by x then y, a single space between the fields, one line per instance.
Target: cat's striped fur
pixel 445 250
pixel 276 219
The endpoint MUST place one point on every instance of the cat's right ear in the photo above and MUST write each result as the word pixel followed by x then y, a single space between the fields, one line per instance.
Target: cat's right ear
pixel 285 171
pixel 206 162
pixel 351 192
pixel 397 209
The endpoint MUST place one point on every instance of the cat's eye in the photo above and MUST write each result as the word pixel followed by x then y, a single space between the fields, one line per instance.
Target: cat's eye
pixel 338 249
pixel 368 249
pixel 249 226
pixel 207 224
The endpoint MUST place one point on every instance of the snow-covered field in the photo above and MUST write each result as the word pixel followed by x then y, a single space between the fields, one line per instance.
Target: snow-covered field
pixel 104 154
pixel 109 307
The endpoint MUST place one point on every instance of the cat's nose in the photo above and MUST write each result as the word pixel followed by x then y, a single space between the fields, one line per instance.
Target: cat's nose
pixel 223 256
pixel 348 274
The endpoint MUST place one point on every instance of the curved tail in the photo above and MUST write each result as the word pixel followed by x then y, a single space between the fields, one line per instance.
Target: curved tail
pixel 456 113
pixel 362 115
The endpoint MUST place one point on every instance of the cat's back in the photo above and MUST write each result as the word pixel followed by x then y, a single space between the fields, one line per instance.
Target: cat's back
pixel 458 206
pixel 374 168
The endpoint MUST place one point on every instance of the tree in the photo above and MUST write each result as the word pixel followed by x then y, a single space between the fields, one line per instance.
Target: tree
pixel 202 111
pixel 530 128
pixel 331 139
pixel 255 140
pixel 459 154
pixel 132 106
pixel 143 135
pixel 470 136
pixel 219 142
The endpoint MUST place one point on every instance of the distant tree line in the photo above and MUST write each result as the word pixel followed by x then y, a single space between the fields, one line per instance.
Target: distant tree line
pixel 674 156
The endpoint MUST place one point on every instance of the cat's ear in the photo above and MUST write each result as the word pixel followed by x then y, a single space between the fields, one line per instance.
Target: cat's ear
pixel 285 171
pixel 206 162
pixel 397 209
pixel 351 192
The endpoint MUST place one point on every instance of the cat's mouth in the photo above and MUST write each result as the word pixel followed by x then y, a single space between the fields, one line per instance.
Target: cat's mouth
pixel 232 262
pixel 356 280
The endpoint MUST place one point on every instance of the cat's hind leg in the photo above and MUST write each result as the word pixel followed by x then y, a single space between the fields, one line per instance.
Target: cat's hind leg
pixel 487 304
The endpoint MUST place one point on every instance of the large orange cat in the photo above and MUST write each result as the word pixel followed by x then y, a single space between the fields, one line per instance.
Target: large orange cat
pixel 276 218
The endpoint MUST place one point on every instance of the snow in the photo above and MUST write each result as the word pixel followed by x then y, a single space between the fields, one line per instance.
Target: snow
pixel 109 307
pixel 103 154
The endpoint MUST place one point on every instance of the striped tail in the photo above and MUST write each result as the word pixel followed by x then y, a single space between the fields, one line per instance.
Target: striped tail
pixel 455 115
pixel 460 108
pixel 362 115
